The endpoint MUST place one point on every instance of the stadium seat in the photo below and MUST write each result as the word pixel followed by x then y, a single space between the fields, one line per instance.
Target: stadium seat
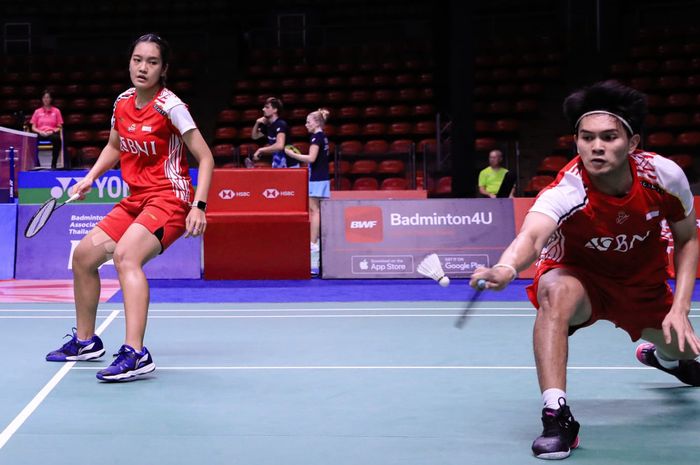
pixel 349 130
pixel 667 83
pixel 679 100
pixel 267 84
pixel 359 96
pixel 537 183
pixel 426 145
pixel 74 119
pixel 345 184
pixel 358 81
pixel 400 129
pixel 247 150
pixel 245 132
pixel 382 80
pixel 365 184
pixel 289 98
pixel 335 81
pixel 90 152
pixel 507 125
pixel 374 129
pixel 394 184
pixel 299 113
pixel 408 94
pixel 349 112
pixel 81 104
pixel 424 128
pixel 329 130
pixel 298 132
pixel 374 111
pixel 225 133
pixel 243 100
pixel 251 114
pixel 223 150
pixel 424 109
pixel 675 119
pixel 351 147
pixel 683 160
pixel 405 79
pixel 343 167
pixel 401 146
pixel 103 135
pixel 376 147
pixel 482 125
pixel 485 143
pixel 312 98
pixel 364 167
pixel 552 164
pixel 391 167
pixel 444 186
pixel 312 82
pixel 302 146
pixel 660 139
pixel 336 97
pixel 81 136
pixel 383 95
pixel 290 83
pixel 688 139
pixel 565 142
pixel 526 106
pixel 229 116
pixel 399 111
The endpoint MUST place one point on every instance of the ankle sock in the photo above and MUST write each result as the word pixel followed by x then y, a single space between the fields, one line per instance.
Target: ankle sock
pixel 550 398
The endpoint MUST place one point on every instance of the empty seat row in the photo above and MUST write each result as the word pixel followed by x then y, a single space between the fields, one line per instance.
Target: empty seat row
pixel 346 112
pixel 408 94
pixel 315 82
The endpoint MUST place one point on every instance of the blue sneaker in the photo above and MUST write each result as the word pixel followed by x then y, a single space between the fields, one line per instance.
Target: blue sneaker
pixel 74 350
pixel 128 365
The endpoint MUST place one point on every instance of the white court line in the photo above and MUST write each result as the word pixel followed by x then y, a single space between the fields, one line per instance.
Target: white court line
pixel 46 390
pixel 284 309
pixel 381 367
pixel 225 317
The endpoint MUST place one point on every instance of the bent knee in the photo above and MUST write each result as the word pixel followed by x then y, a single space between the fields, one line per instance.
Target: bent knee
pixel 564 298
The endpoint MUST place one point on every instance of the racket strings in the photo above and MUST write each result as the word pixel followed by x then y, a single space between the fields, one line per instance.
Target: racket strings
pixel 40 218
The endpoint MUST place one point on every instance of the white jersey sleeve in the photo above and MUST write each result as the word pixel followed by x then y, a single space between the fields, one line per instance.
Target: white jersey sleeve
pixel 673 180
pixel 564 198
pixel 181 118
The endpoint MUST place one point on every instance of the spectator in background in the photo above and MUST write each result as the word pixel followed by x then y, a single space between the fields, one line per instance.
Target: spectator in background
pixel 319 177
pixel 276 130
pixel 47 122
pixel 492 177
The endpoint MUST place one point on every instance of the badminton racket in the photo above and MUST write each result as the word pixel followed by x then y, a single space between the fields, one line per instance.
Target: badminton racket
pixel 43 214
pixel 476 295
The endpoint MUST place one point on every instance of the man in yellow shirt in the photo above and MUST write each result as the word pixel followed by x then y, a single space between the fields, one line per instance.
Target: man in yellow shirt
pixel 491 177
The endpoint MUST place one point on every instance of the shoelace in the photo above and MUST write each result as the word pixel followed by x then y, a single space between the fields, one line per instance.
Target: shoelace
pixel 122 356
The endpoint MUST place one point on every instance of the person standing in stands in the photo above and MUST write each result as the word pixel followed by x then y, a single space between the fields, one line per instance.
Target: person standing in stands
pixel 596 233
pixel 47 122
pixel 319 177
pixel 492 177
pixel 151 127
pixel 276 130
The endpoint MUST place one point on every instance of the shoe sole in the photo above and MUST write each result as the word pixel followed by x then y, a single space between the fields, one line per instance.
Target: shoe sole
pixel 640 350
pixel 559 455
pixel 129 375
pixel 79 358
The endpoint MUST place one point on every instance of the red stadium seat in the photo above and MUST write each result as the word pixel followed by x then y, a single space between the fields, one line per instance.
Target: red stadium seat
pixel 74 119
pixel 394 184
pixel 507 125
pixel 358 81
pixel 537 183
pixel 299 113
pixel 552 164
pixel 660 139
pixel 382 80
pixel 383 95
pixel 245 132
pixel 298 131
pixel 335 81
pixel 103 135
pixel 289 98
pixel 408 94
pixel 247 150
pixel 336 96
pixel 405 79
pixel 312 98
pixel 243 100
pixel 374 111
pixel 80 104
pixel 675 119
pixel 683 160
pixel 345 184
pixel 424 109
pixel 90 152
pixel 251 115
pixel 391 167
pixel 399 111
pixel 81 136
pixel 312 82
pixel 365 184
pixel 329 130
pixel 565 142
pixel 688 139
pixel 424 127
pixel 670 82
pixel 400 129
pixel 376 147
pixel 359 96
pixel 444 186
pixel 222 150
pixel 426 145
pixel 485 143
pixel 351 147
pixel 526 106
pixel 290 83
pixel 302 146
pixel 679 100
pixel 349 130
pixel 349 112
pixel 482 125
pixel 500 107
pixel 401 146
pixel 374 129
pixel 364 167
pixel 243 85
pixel 229 116
pixel 267 84
pixel 343 167
pixel 225 133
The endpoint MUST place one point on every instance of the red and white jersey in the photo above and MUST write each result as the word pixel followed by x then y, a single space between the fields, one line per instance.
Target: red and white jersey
pixel 616 237
pixel 150 139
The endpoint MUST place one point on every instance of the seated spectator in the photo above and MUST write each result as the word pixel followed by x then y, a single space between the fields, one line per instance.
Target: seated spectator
pixel 47 122
pixel 491 178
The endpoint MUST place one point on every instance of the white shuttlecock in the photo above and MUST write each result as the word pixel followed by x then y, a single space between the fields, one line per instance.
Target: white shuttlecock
pixel 430 267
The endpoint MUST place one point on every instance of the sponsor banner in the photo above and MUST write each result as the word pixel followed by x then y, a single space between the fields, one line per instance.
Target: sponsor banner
pixel 35 187
pixel 387 239
pixel 48 255
pixel 259 190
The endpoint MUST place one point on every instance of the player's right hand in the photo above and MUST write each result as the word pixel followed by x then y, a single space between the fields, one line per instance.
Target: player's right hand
pixel 82 187
pixel 496 278
pixel 261 120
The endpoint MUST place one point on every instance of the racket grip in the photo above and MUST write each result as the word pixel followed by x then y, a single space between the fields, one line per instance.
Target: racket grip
pixel 75 196
pixel 481 284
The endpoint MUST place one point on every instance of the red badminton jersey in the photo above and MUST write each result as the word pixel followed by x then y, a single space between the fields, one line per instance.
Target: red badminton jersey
pixel 150 139
pixel 615 237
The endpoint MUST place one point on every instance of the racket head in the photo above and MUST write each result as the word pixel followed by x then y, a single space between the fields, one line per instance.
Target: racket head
pixel 39 219
pixel 292 148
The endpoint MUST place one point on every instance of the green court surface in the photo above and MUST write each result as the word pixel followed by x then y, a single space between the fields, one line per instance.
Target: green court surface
pixel 370 383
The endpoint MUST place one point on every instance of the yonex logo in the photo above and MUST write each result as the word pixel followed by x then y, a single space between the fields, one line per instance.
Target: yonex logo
pixel 226 194
pixel 271 193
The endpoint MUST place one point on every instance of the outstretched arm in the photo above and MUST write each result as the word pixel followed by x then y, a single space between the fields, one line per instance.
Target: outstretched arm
pixel 520 254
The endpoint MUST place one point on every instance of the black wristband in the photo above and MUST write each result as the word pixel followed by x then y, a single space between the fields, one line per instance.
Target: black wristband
pixel 200 204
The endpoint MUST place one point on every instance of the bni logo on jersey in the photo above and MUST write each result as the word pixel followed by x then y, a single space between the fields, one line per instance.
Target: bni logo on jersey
pixel 364 224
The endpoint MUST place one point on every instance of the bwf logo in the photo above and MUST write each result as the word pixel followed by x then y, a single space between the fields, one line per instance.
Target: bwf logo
pixel 364 224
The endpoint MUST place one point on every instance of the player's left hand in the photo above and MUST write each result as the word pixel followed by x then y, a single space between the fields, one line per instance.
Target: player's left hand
pixel 196 223
pixel 256 155
pixel 678 322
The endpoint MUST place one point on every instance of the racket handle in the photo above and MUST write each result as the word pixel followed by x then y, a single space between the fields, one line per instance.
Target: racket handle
pixel 73 197
pixel 481 284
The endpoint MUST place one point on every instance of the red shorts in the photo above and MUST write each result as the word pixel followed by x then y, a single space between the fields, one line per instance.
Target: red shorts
pixel 163 215
pixel 632 308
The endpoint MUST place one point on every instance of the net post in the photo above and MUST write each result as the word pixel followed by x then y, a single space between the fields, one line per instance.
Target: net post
pixel 12 172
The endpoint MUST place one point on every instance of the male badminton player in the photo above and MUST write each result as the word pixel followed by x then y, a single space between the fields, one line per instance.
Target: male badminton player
pixel 598 232
pixel 149 126
pixel 276 131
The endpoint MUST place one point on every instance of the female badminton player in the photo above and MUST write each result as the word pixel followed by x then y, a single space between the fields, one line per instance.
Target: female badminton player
pixel 150 127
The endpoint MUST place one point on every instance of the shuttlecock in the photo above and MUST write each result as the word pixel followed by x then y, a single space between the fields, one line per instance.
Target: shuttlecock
pixel 431 268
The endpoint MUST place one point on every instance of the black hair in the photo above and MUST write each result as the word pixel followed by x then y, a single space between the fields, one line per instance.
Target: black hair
pixel 162 45
pixel 610 96
pixel 45 92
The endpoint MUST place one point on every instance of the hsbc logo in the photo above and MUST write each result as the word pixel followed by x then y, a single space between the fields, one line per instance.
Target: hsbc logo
pixel 226 194
pixel 364 224
pixel 271 193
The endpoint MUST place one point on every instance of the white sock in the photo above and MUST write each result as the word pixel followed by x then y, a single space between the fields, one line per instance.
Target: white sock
pixel 551 397
pixel 665 361
pixel 315 246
